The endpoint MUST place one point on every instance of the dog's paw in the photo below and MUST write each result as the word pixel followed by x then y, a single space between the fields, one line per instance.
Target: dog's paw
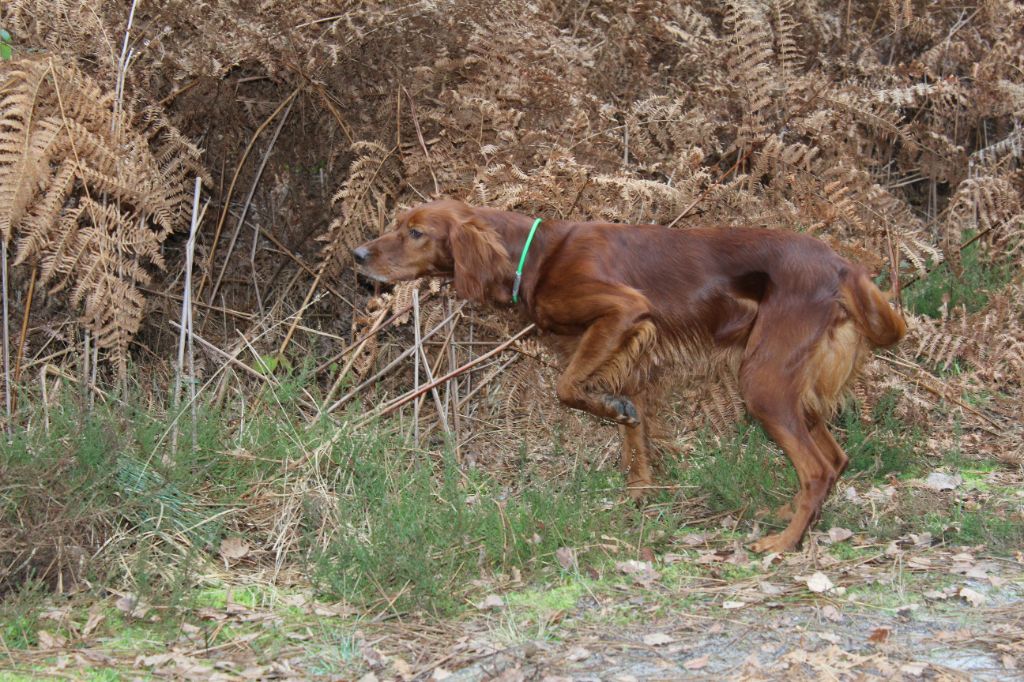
pixel 624 409
pixel 639 491
pixel 780 542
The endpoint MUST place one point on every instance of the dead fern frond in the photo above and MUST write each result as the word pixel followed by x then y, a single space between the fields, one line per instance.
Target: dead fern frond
pixel 366 198
pixel 88 195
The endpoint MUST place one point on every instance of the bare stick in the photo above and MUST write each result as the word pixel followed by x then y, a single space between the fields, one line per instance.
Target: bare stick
pixel 426 369
pixel 122 70
pixel 416 364
pixel 476 389
pixel 186 326
pixel 24 333
pixel 6 338
pixel 412 395
pixel 248 200
pixel 390 366
pixel 362 339
pixel 423 143
pixel 357 349
pixel 453 389
pixel 231 188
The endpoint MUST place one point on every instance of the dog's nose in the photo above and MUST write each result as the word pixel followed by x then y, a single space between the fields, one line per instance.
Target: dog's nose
pixel 361 254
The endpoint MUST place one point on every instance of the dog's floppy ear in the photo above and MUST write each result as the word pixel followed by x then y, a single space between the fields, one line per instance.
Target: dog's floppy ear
pixel 482 266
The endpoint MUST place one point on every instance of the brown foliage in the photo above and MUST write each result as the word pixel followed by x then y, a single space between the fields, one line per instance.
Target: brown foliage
pixel 891 131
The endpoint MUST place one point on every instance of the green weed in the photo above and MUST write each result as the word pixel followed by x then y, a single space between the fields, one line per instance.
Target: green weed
pixel 972 289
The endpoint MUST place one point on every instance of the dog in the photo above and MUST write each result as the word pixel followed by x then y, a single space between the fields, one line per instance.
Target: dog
pixel 624 303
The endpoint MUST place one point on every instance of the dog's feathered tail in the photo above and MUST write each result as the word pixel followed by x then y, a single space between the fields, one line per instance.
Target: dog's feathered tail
pixel 869 307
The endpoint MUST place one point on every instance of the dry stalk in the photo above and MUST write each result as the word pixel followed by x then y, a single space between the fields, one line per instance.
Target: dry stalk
pixel 248 201
pixel 426 368
pixel 416 364
pixel 231 188
pixel 6 339
pixel 186 329
pixel 412 395
pixel 391 365
pixel 362 339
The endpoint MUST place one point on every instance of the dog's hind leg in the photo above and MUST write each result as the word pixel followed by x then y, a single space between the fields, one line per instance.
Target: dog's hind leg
pixel 773 382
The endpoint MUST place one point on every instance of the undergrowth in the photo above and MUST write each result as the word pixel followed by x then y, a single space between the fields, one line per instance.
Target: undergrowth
pixel 943 288
pixel 100 498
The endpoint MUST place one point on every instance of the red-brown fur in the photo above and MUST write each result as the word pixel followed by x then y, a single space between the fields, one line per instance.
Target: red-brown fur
pixel 626 301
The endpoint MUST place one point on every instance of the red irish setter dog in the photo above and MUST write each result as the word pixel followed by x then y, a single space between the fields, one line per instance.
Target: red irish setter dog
pixel 624 302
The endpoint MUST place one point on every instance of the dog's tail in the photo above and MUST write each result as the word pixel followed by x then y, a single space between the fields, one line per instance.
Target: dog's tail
pixel 870 309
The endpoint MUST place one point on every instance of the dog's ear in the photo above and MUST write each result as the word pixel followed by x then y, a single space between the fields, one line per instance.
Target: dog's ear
pixel 482 266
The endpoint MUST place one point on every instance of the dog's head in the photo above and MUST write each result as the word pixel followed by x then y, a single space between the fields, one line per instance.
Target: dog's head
pixel 441 239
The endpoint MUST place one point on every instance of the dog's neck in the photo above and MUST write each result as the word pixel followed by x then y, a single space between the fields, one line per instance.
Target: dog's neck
pixel 513 230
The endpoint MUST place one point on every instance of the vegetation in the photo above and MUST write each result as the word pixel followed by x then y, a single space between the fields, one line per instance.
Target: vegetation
pixel 267 481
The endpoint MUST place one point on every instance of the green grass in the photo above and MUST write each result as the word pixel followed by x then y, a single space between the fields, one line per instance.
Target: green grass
pixel 884 446
pixel 971 289
pixel 410 530
pixel 992 526
pixel 418 531
pixel 743 472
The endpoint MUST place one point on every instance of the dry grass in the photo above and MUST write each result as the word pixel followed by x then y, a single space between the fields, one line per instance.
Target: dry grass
pixel 895 135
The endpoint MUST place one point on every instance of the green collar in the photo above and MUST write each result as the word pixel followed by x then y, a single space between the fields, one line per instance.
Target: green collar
pixel 522 261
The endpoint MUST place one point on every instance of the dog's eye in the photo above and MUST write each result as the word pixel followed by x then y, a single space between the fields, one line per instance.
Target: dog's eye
pixel 414 233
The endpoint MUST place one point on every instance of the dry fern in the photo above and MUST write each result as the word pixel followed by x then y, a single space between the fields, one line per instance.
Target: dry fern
pixel 87 194
pixel 365 199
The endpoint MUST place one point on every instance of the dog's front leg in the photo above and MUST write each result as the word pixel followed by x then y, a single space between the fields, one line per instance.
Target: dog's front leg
pixel 601 378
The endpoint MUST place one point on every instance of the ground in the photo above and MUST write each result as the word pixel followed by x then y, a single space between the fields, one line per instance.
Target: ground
pixel 704 608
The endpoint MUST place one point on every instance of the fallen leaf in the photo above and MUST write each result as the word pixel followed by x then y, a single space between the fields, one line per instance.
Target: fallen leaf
pixel 130 605
pixel 566 557
pixel 491 602
pixel 819 583
pixel 879 635
pixel 1009 662
pixel 373 658
pixel 296 599
pixel 839 534
pixel 940 481
pixel 647 554
pixel 578 653
pixel 914 669
pixel 832 613
pixel 336 609
pixel 402 668
pixel 641 571
pixel 96 616
pixel 658 639
pixel 49 641
pixel 233 548
pixel 694 539
pixel 830 637
pixel 697 663
pixel 973 597
pixel 770 589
